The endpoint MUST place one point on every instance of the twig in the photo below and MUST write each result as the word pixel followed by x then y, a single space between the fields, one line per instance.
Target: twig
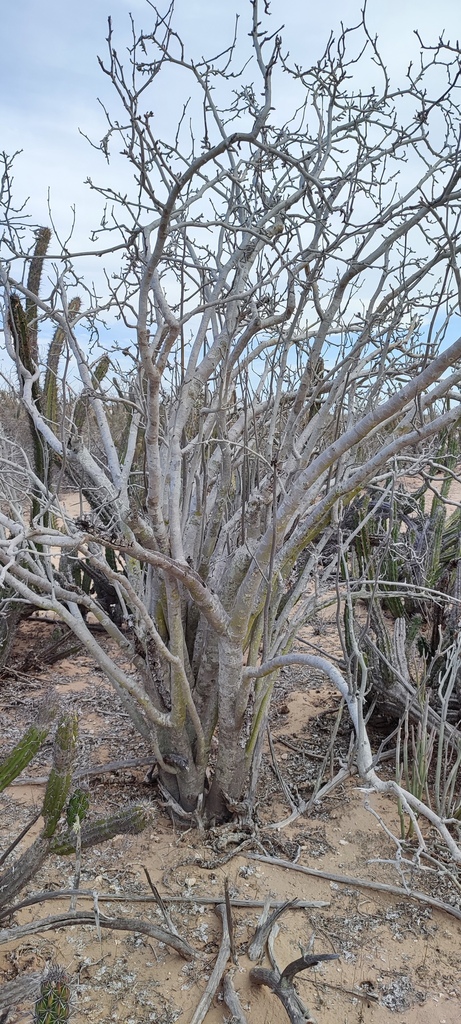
pixel 97 916
pixel 316 798
pixel 366 995
pixel 361 883
pixel 217 972
pixel 297 749
pixel 158 899
pixel 283 785
pixel 78 863
pixel 21 835
pixel 230 923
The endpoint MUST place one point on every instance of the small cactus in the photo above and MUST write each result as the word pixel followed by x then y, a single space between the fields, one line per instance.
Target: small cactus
pixel 53 1003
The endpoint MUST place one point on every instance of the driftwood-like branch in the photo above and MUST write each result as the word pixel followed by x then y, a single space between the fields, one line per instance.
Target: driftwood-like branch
pixel 361 883
pixel 25 987
pixel 302 963
pixel 217 972
pixel 265 924
pixel 128 924
pixel 82 773
pixel 232 1000
pixel 57 894
pixel 284 990
pixel 282 984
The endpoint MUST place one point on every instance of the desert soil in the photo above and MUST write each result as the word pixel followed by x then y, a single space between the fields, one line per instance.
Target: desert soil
pixel 398 957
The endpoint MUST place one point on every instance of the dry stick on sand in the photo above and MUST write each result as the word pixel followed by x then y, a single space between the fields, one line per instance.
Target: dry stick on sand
pixel 361 883
pixel 356 993
pixel 265 925
pixel 232 1000
pixel 88 894
pixel 230 921
pixel 82 773
pixel 281 982
pixel 160 903
pixel 217 972
pixel 129 924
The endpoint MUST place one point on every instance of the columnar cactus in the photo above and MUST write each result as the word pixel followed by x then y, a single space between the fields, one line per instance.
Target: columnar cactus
pixel 30 743
pixel 60 778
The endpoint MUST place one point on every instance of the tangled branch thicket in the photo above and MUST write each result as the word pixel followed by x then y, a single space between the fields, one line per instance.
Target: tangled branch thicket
pixel 287 301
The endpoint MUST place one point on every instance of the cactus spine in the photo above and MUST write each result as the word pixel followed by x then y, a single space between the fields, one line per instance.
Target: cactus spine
pixel 53 1003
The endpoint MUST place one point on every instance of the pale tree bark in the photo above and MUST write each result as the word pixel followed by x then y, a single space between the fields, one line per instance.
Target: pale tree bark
pixel 288 305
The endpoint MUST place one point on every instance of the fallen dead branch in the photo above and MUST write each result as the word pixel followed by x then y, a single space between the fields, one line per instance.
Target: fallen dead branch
pixel 232 1000
pixel 218 969
pixel 282 984
pixel 23 988
pixel 361 883
pixel 83 773
pixel 128 924
pixel 265 925
pixel 88 894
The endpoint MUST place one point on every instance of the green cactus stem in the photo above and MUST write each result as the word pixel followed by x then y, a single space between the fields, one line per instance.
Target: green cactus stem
pixel 25 750
pixel 60 778
pixel 77 807
pixel 131 819
pixel 20 328
pixel 53 1003
pixel 43 238
pixel 50 388
pixel 97 375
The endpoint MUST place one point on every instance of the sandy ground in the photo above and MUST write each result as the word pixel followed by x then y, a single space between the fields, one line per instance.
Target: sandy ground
pixel 398 957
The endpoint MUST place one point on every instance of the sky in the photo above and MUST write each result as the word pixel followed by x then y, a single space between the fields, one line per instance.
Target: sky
pixel 50 80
